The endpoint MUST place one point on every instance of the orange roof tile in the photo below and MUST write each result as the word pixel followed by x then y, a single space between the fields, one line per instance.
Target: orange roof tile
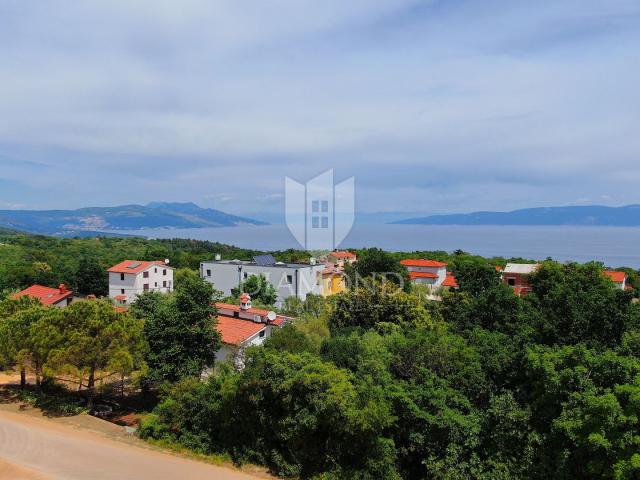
pixel 234 331
pixel 450 281
pixel 413 275
pixel 46 295
pixel 420 262
pixel 136 266
pixel 343 254
pixel 617 277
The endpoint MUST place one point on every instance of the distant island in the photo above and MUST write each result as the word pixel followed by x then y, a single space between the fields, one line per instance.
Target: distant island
pixel 628 216
pixel 92 220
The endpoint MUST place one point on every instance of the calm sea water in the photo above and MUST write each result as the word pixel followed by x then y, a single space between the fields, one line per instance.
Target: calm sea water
pixel 615 246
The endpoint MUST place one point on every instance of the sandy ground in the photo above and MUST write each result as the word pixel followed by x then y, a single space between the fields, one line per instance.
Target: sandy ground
pixel 85 448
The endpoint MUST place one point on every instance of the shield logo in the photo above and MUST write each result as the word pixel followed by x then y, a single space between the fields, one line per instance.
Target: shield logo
pixel 320 214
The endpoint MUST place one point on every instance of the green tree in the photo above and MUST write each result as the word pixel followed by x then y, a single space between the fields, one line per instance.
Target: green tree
pixel 579 304
pixel 95 339
pixel 375 265
pixel 260 289
pixel 91 277
pixel 181 330
pixel 367 307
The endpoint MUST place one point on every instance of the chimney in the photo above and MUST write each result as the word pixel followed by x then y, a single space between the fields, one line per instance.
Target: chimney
pixel 63 288
pixel 245 301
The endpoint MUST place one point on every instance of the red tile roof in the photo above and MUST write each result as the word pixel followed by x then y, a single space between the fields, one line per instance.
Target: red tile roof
pixel 236 308
pixel 617 277
pixel 120 297
pixel 234 331
pixel 136 266
pixel 419 262
pixel 413 275
pixel 46 295
pixel 342 255
pixel 450 281
pixel 499 268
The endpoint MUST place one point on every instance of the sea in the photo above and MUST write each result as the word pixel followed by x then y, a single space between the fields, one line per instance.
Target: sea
pixel 614 246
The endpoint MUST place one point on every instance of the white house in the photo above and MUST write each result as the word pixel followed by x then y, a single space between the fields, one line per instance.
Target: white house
pixel 619 278
pixel 426 272
pixel 130 278
pixel 242 326
pixel 289 279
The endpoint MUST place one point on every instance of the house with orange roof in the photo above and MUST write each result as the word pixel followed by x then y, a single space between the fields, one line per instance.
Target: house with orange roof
pixel 619 278
pixel 333 280
pixel 55 297
pixel 341 258
pixel 130 278
pixel 426 272
pixel 242 326
pixel 516 276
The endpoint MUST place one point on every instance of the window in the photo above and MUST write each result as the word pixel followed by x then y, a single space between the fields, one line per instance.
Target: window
pixel 156 284
pixel 122 291
pixel 245 275
pixel 164 284
pixel 289 279
pixel 164 271
pixel 145 274
pixel 122 277
pixel 511 281
pixel 145 287
pixel 208 272
pixel 236 314
pixel 261 334
pixel 320 217
pixel 155 270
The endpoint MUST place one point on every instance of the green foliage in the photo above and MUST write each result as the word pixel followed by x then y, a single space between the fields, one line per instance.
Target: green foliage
pixel 374 265
pixel 180 329
pixel 260 289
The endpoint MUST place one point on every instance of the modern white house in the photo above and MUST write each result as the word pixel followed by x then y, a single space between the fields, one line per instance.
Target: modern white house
pixel 426 272
pixel 289 279
pixel 131 278
pixel 242 326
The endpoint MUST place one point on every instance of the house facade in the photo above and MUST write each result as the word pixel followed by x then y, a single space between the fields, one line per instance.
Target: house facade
pixel 333 281
pixel 341 258
pixel 289 279
pixel 56 297
pixel 426 272
pixel 515 275
pixel 131 278
pixel 242 326
pixel 619 278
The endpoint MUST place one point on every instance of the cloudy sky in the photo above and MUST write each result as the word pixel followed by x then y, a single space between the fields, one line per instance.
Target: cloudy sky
pixel 434 106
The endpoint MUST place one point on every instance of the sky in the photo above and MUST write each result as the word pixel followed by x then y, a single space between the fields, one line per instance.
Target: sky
pixel 433 106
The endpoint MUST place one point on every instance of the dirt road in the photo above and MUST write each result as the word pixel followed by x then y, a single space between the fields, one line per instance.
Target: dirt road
pixel 40 449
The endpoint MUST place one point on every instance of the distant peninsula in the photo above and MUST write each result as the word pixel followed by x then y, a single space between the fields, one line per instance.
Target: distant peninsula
pixel 627 216
pixel 88 221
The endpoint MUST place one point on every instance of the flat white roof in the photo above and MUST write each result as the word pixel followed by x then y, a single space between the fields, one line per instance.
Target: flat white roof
pixel 521 268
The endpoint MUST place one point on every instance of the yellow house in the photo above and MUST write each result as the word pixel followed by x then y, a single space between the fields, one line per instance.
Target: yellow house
pixel 332 281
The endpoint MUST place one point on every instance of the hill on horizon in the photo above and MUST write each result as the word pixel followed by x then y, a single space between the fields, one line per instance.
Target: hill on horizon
pixel 83 221
pixel 595 215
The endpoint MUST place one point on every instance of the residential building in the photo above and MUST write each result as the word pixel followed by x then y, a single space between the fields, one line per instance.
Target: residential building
pixel 341 258
pixel 619 278
pixel 242 326
pixel 515 275
pixel 55 297
pixel 426 272
pixel 289 279
pixel 131 278
pixel 333 280
pixel 450 282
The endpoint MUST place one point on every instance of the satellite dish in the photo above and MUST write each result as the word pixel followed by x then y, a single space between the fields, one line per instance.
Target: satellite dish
pixel 271 316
